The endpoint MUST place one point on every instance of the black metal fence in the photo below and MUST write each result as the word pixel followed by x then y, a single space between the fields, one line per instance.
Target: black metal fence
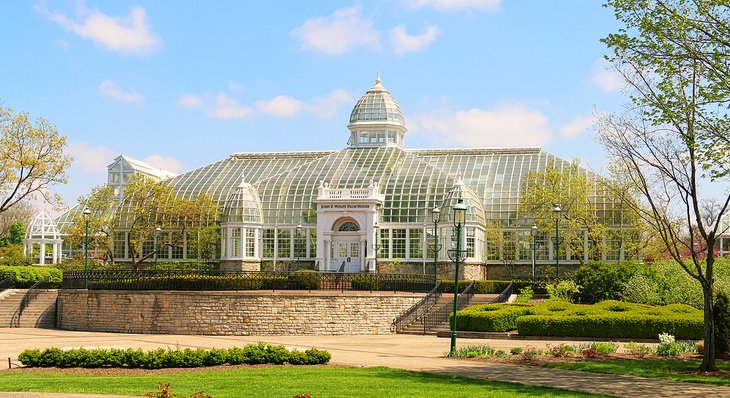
pixel 245 280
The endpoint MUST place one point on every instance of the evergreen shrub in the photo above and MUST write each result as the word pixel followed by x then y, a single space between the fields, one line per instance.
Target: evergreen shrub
pixel 26 276
pixel 304 280
pixel 252 354
pixel 490 317
pixel 722 324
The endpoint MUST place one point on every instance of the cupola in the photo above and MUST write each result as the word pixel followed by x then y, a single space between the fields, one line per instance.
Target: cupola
pixel 376 120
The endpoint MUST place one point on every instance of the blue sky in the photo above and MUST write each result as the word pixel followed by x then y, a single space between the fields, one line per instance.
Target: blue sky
pixel 182 84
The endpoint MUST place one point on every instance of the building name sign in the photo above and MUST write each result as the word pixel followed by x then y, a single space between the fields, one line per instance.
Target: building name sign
pixel 343 207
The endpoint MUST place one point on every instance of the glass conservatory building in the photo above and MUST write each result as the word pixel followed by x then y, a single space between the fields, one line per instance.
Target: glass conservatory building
pixel 366 206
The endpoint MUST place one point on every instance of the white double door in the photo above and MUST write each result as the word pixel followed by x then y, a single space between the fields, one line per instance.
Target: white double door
pixel 348 253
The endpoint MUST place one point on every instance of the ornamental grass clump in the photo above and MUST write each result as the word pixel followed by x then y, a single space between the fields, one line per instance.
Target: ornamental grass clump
pixel 638 350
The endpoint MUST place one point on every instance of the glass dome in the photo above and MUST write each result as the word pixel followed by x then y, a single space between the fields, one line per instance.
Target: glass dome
pixel 377 105
pixel 474 207
pixel 243 206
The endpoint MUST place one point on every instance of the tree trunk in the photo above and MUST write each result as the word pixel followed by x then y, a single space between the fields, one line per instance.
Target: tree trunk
pixel 708 356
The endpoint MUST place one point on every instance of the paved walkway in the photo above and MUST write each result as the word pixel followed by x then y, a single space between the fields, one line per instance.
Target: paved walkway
pixel 418 353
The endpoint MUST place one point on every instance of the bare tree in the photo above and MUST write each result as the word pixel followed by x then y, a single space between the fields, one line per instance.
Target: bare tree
pixel 661 166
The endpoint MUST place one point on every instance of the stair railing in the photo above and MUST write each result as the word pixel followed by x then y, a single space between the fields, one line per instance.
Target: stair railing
pixel 504 296
pixel 441 315
pixel 6 284
pixel 418 310
pixel 32 294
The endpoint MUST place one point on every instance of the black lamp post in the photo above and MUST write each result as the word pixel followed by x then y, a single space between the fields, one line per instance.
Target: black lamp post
pixel 435 214
pixel 157 244
pixel 456 255
pixel 533 232
pixel 87 214
pixel 556 212
pixel 376 245
pixel 297 246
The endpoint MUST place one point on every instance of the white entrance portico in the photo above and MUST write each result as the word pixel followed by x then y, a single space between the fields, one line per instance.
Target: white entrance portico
pixel 345 233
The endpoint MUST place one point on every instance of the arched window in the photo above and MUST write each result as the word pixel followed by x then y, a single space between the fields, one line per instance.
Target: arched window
pixel 348 226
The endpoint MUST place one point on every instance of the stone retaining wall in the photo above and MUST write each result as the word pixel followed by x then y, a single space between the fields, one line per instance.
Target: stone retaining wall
pixel 231 313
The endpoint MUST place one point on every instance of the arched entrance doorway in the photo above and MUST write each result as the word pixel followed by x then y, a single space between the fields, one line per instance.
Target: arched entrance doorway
pixel 347 247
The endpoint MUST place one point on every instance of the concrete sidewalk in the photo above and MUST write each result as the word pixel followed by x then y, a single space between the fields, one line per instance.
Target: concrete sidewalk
pixel 409 352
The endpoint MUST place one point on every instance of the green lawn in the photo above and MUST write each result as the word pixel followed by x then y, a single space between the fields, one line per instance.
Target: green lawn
pixel 664 369
pixel 280 381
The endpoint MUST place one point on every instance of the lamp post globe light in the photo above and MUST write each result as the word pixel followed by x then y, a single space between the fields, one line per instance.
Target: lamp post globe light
pixel 157 244
pixel 459 218
pixel 435 215
pixel 87 214
pixel 533 232
pixel 297 246
pixel 376 245
pixel 556 211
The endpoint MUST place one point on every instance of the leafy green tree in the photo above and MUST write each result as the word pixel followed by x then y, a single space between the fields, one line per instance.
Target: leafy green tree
pixel 101 202
pixel 575 191
pixel 674 57
pixel 16 233
pixel 32 159
pixel 148 205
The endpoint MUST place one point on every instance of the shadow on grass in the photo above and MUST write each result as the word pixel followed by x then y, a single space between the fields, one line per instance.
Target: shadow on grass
pixel 280 381
pixel 670 369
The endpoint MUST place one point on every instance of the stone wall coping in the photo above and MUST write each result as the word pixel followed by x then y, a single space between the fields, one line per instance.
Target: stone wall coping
pixel 258 293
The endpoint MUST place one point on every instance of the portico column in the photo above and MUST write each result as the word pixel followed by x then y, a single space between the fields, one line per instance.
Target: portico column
pixel 43 253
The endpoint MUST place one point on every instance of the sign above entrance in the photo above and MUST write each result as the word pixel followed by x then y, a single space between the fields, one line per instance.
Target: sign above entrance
pixel 344 206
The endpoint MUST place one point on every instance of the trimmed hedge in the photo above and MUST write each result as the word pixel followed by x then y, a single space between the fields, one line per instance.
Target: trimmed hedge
pixel 26 276
pixel 251 354
pixel 609 319
pixel 493 286
pixel 491 317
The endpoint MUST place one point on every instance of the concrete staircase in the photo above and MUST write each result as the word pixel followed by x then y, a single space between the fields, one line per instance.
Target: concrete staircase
pixel 40 313
pixel 445 299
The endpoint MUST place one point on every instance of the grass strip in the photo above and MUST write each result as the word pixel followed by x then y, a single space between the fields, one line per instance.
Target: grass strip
pixel 279 381
pixel 679 370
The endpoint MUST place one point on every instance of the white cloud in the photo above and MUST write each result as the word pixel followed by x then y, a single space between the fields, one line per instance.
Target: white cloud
pixel 507 125
pixel 233 86
pixel 129 34
pixel 164 162
pixel 577 126
pixel 403 42
pixel 338 33
pixel 456 5
pixel 281 106
pixel 326 107
pixel 110 89
pixel 90 159
pixel 606 77
pixel 226 107
pixel 190 101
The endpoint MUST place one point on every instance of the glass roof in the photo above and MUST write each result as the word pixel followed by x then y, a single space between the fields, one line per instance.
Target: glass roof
pixel 412 181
